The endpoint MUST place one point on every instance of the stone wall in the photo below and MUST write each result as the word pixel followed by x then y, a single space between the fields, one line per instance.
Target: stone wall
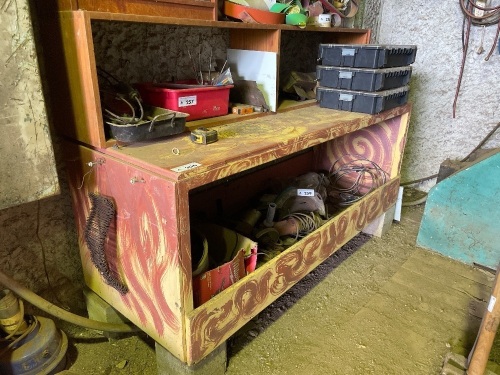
pixel 27 169
pixel 436 29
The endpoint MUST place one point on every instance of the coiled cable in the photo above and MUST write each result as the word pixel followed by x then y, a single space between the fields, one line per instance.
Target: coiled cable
pixel 353 178
pixel 490 17
pixel 305 223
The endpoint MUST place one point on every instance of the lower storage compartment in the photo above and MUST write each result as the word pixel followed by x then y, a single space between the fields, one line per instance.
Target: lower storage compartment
pixel 361 101
pixel 234 202
pixel 216 320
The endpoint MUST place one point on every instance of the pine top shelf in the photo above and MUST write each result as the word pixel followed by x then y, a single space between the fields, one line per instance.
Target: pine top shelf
pixel 122 17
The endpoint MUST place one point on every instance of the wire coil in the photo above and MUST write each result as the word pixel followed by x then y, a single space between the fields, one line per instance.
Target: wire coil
pixel 352 177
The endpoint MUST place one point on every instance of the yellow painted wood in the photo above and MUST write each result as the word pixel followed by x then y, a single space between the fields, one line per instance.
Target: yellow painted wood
pixel 397 150
pixel 250 143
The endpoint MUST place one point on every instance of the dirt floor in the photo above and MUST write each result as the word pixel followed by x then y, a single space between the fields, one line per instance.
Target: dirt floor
pixel 377 306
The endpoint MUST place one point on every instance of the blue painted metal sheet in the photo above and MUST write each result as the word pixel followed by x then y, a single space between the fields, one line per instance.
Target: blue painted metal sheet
pixel 462 215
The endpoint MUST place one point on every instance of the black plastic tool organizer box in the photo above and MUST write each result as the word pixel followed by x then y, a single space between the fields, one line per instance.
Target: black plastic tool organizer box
pixel 366 55
pixel 361 101
pixel 362 79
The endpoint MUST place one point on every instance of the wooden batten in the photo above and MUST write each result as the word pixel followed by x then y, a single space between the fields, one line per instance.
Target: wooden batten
pixel 80 70
pixel 194 9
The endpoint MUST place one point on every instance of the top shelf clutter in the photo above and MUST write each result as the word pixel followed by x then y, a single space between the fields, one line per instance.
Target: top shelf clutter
pixel 71 41
pixel 212 10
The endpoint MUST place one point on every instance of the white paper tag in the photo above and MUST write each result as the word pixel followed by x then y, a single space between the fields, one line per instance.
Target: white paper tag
pixel 305 192
pixel 186 167
pixel 491 305
pixel 186 101
pixel 325 18
pixel 345 75
pixel 348 51
pixel 345 97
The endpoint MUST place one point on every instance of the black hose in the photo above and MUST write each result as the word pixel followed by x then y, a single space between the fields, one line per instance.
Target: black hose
pixel 62 314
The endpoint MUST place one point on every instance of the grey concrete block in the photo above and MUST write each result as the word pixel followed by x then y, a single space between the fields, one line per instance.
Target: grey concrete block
pixel 213 364
pixel 98 309
pixel 382 224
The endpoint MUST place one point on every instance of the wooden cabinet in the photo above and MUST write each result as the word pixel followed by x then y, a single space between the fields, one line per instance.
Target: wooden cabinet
pixel 148 245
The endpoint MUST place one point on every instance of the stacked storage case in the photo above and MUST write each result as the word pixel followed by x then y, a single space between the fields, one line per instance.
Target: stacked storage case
pixel 363 78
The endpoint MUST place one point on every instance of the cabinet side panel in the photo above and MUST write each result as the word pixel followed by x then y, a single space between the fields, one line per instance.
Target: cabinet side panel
pixel 141 245
pixel 398 150
pixel 382 143
pixel 216 320
pixel 256 40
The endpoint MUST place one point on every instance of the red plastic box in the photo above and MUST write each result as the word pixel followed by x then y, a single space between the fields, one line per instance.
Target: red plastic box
pixel 198 101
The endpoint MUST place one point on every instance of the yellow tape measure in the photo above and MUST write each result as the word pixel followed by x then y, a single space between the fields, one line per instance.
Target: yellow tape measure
pixel 204 136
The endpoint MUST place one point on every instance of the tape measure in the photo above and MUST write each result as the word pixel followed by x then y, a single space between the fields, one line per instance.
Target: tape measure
pixel 204 136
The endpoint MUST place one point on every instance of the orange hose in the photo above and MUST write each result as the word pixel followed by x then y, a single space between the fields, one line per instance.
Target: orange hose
pixel 62 314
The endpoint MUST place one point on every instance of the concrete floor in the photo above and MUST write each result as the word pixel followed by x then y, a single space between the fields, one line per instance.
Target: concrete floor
pixel 386 307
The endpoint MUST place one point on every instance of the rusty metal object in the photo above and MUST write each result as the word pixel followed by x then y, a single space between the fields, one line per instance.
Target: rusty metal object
pixel 101 215
pixel 11 314
pixel 33 346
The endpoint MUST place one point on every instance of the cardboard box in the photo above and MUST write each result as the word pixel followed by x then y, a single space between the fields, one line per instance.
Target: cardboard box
pixel 232 256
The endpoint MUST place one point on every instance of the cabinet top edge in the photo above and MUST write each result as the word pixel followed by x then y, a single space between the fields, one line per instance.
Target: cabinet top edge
pixel 248 143
pixel 122 17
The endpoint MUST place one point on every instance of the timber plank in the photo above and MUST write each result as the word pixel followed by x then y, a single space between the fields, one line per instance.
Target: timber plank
pixel 389 344
pixel 434 319
pixel 432 264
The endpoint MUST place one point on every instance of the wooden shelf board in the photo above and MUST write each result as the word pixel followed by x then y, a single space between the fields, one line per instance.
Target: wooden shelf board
pixel 121 17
